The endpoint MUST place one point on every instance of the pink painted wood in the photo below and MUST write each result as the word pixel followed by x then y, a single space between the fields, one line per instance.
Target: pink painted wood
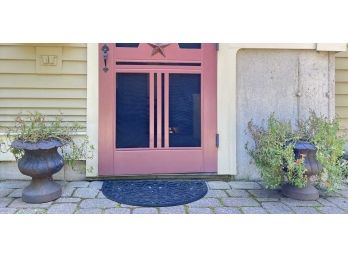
pixel 159 160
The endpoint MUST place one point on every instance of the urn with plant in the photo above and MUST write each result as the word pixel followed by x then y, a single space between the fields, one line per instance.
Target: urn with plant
pixel 42 146
pixel 300 159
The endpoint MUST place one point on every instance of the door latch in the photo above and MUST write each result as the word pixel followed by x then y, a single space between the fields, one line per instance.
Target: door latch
pixel 105 50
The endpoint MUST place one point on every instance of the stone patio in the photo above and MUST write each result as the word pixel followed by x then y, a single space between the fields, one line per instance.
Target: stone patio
pixel 236 197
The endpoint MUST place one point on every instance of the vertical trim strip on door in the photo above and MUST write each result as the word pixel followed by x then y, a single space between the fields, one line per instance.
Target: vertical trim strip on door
pixel 151 107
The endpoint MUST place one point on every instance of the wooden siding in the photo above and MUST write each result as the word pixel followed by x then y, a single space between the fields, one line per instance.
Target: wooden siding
pixel 342 90
pixel 23 89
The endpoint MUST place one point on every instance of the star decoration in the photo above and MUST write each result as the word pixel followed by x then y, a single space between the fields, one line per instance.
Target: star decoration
pixel 158 48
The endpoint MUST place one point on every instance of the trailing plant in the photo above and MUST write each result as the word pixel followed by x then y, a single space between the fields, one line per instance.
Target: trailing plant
pixel 274 157
pixel 324 134
pixel 35 127
pixel 344 168
pixel 273 153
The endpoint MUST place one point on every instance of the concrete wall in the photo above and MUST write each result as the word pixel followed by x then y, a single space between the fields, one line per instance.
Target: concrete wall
pixel 287 82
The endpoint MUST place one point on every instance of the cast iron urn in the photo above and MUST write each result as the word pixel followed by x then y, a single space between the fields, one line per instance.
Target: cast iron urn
pixel 313 167
pixel 40 161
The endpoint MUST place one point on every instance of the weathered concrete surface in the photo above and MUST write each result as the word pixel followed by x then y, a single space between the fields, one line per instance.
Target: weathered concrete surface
pixel 287 82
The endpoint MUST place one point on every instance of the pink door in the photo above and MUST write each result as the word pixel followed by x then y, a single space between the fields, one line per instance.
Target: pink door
pixel 157 109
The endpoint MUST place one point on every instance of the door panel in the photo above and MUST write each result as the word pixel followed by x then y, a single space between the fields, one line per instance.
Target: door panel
pixel 164 115
pixel 184 110
pixel 132 110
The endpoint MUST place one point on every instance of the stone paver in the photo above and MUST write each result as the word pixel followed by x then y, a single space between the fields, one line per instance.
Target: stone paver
pixel 68 200
pixel 97 203
pixel 298 203
pixel 118 211
pixel 276 208
pixel 101 195
pixel 14 184
pixel 227 210
pixel 16 193
pixel 305 210
pixel 89 211
pixel 172 210
pixel 237 202
pixel 206 202
pixel 62 208
pixel 4 202
pixel 265 193
pixel 31 211
pixel 244 185
pixel 344 187
pixel 339 201
pixel 343 193
pixel 325 202
pixel 194 210
pixel 236 197
pixel 7 210
pixel 216 193
pixel 5 191
pixel 67 191
pixel 145 211
pixel 78 184
pixel 18 203
pixel 331 210
pixel 96 184
pixel 265 199
pixel 218 185
pixel 237 193
pixel 86 192
pixel 253 210
pixel 126 205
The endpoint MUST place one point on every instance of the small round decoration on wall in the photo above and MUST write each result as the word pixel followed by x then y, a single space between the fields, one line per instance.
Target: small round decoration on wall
pixel 154 193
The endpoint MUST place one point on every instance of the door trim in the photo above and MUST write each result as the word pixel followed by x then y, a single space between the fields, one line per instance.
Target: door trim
pixel 115 162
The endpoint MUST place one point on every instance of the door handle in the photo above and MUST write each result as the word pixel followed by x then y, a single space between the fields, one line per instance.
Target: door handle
pixel 173 130
pixel 105 50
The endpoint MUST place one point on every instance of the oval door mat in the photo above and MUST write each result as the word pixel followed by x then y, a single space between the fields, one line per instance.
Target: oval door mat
pixel 154 193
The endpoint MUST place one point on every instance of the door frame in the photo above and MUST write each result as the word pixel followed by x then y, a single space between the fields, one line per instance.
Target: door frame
pixel 112 158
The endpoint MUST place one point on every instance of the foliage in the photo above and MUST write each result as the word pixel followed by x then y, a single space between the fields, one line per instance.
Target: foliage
pixel 323 133
pixel 274 157
pixel 273 153
pixel 35 127
pixel 344 168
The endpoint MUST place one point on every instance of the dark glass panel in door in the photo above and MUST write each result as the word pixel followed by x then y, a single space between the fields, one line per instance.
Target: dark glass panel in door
pixel 184 110
pixel 190 45
pixel 132 110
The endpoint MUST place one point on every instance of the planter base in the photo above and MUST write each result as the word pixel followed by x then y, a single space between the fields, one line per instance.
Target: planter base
pixel 41 191
pixel 307 193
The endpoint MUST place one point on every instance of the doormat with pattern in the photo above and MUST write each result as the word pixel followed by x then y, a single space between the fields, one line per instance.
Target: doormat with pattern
pixel 154 193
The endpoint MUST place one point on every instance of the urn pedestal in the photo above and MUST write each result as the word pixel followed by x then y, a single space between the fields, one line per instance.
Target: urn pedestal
pixel 40 161
pixel 313 167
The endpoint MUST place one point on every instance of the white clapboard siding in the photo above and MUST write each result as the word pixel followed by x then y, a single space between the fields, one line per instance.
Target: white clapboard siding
pixel 6 124
pixel 23 90
pixel 342 89
pixel 43 81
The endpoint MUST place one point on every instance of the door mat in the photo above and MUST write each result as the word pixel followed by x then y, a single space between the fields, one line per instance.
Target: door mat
pixel 154 193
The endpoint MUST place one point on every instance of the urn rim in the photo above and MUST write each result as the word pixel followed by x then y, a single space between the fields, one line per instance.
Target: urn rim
pixel 40 145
